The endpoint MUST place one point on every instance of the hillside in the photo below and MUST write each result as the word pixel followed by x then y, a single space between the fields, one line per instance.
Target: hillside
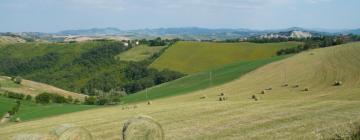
pixel 282 113
pixel 200 81
pixel 32 88
pixel 192 57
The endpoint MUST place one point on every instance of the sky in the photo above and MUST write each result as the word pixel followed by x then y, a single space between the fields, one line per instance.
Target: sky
pixel 57 15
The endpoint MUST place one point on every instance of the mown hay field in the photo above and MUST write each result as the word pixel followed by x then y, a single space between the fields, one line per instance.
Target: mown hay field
pixel 191 57
pixel 282 113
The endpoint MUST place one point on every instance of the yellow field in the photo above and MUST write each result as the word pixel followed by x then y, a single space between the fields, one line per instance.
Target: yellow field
pixel 191 57
pixel 32 88
pixel 282 113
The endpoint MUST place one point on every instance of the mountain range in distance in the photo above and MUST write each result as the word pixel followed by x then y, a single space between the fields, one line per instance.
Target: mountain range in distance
pixel 187 33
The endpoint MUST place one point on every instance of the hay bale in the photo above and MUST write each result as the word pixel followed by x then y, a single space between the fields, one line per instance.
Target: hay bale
pixel 296 86
pixel 222 94
pixel 71 132
pixel 263 92
pixel 285 85
pixel 254 97
pixel 338 83
pixel 142 128
pixel 203 97
pixel 307 89
pixel 35 137
pixel 270 88
pixel 222 98
pixel 149 102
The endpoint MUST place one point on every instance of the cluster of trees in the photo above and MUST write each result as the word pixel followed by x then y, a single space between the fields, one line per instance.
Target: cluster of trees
pixel 319 42
pixel 45 98
pixel 158 41
pixel 143 77
pixel 105 98
pixel 17 96
pixel 14 66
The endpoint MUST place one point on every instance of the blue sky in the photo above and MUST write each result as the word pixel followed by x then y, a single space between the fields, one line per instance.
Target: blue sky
pixel 56 15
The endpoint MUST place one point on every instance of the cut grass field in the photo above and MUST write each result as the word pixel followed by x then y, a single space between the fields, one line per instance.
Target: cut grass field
pixel 30 110
pixel 32 88
pixel 191 57
pixel 139 53
pixel 200 80
pixel 282 113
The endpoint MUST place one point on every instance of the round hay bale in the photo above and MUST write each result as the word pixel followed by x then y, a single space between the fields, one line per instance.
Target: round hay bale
pixel 142 128
pixel 338 83
pixel 149 102
pixel 203 97
pixel 270 88
pixel 296 86
pixel 222 94
pixel 307 89
pixel 285 85
pixel 254 97
pixel 35 137
pixel 71 132
pixel 263 92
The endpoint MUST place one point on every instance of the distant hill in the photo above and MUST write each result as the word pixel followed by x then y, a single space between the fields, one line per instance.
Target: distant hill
pixel 93 31
pixel 355 31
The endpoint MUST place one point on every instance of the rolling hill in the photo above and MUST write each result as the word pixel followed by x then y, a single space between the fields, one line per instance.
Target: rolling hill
pixel 282 113
pixel 193 57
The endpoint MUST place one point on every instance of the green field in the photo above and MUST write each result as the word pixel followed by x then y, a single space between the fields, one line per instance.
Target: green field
pixel 139 53
pixel 30 110
pixel 200 80
pixel 192 57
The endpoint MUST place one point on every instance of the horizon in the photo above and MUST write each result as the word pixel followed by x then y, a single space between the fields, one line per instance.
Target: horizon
pixel 53 16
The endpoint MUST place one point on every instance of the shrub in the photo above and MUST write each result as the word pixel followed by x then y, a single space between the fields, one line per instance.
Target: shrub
pixel 76 101
pixel 28 97
pixel 58 99
pixel 91 100
pixel 13 95
pixel 43 98
pixel 69 99
pixel 18 80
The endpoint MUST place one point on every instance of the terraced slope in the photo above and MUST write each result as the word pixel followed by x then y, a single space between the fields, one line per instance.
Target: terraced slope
pixel 192 57
pixel 282 113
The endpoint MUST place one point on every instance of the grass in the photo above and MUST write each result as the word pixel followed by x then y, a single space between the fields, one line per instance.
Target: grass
pixel 139 53
pixel 30 110
pixel 200 80
pixel 192 57
pixel 281 114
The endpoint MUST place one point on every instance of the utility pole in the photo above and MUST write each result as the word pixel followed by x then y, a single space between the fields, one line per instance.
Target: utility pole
pixel 210 78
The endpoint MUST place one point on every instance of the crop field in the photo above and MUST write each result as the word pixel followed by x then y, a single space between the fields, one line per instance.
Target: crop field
pixel 193 57
pixel 139 53
pixel 282 113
